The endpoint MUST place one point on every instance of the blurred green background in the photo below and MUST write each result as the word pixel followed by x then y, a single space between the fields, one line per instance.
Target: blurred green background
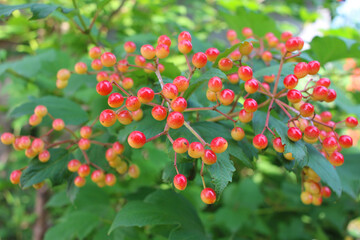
pixel 36 40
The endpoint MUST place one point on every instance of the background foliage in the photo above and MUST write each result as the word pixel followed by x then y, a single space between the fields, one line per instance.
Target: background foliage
pixel 261 202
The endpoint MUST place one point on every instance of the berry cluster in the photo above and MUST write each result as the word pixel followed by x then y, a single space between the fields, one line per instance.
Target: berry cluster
pixel 169 104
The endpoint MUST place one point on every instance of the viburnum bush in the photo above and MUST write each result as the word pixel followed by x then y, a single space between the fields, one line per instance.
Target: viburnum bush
pixel 276 110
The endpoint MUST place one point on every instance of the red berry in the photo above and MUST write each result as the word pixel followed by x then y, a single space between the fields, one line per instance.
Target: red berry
pixel 245 116
pixel 175 120
pixel 285 36
pixel 345 141
pixel 162 51
pixel 15 176
pixel 294 96
pixel 247 32
pixel 326 116
pixel 208 196
pixel 73 165
pixel 170 91
pixel 184 36
pixel 37 145
pixel 273 42
pixel 84 144
pixel 163 39
pixel 132 103
pixel 251 86
pixel 97 176
pixel 58 124
pixel 199 60
pixel 34 120
pixel 237 133
pixel 129 47
pixel 196 150
pixel 122 65
pixel 179 104
pixel 140 61
pixel 7 138
pixel 108 59
pixel 306 110
pixel 306 198
pixel 63 74
pixel 336 159
pixel 104 88
pixel 40 111
pixel 330 144
pixel 107 117
pixel 351 122
pixel 185 46
pixel 325 192
pixel 102 76
pixel 225 64
pixel 211 96
pixel 115 100
pixel 215 84
pixel 127 83
pixel 84 170
pixel 323 82
pixel 245 73
pixel 226 97
pixel 136 139
pixel 294 134
pixel 181 145
pixel 235 55
pixel 209 157
pixel 260 141
pixel 250 105
pixel 30 153
pixel 313 67
pixel 301 70
pixel 290 81
pixel 219 145
pixel 233 78
pixel 320 93
pixel 182 83
pixel 231 35
pixel 110 179
pixel 212 54
pixel 292 44
pixel 96 64
pixel 266 56
pixel 148 51
pixel 245 48
pixel 311 132
pixel 79 181
pixel 331 95
pixel 124 117
pixel 159 113
pixel 134 171
pixel 95 52
pixel 80 68
pixel 118 148
pixel 180 182
pixel 278 146
pixel 145 95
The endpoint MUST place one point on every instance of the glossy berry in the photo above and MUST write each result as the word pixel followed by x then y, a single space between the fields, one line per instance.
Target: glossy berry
pixel 266 56
pixel 301 70
pixel 15 176
pixel 61 84
pixel 325 192
pixel 7 138
pixel 124 117
pixel 260 141
pixel 122 65
pixel 102 76
pixel 179 104
pixel 245 48
pixel 140 61
pixel 250 105
pixel 199 60
pixel 182 83
pixel 35 120
pixel 63 74
pixel 163 39
pixel 225 64
pixel 313 67
pixel 96 64
pixel 185 46
pixel 162 51
pixel 137 115
pixel 184 36
pixel 211 96
pixel 85 132
pixel 84 170
pixel 196 150
pixel 180 182
pixel 235 55
pixel 108 59
pixel 292 44
pixel 294 134
pixel 84 144
pixel 307 110
pixel 330 144
pixel 159 113
pixel 95 52
pixel 247 32
pixel 147 51
pixel 285 36
pixel 136 139
pixel 320 93
pixel 170 91
pixel 219 145
pixel 336 159
pixel 212 54
pixel 145 95
pixel 134 171
pixel 73 165
pixel 79 181
pixel 209 157
pixel 290 81
pixel 351 122
pixel 245 73
pixel 181 145
pixel 245 116
pixel 80 68
pixel 58 124
pixel 331 95
pixel 107 118
pixel 115 100
pixel 311 132
pixel 129 47
pixel 325 82
pixel 110 179
pixel 294 96
pixel 306 198
pixel 24 142
pixel 278 146
pixel 104 88
pixel 215 84
pixel 251 86
pixel 175 120
pixel 37 145
pixel 226 96
pixel 231 35
pixel 237 133
pixel 40 111
pixel 208 196
pixel 127 83
pixel 132 103
pixel 30 153
pixel 345 141
pixel 326 116
pixel 118 148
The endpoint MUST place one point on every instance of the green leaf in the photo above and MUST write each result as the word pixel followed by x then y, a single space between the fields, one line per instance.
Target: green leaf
pixel 349 175
pixel 288 68
pixel 39 10
pixel 162 208
pixel 55 169
pixel 236 149
pixel 62 108
pixel 221 172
